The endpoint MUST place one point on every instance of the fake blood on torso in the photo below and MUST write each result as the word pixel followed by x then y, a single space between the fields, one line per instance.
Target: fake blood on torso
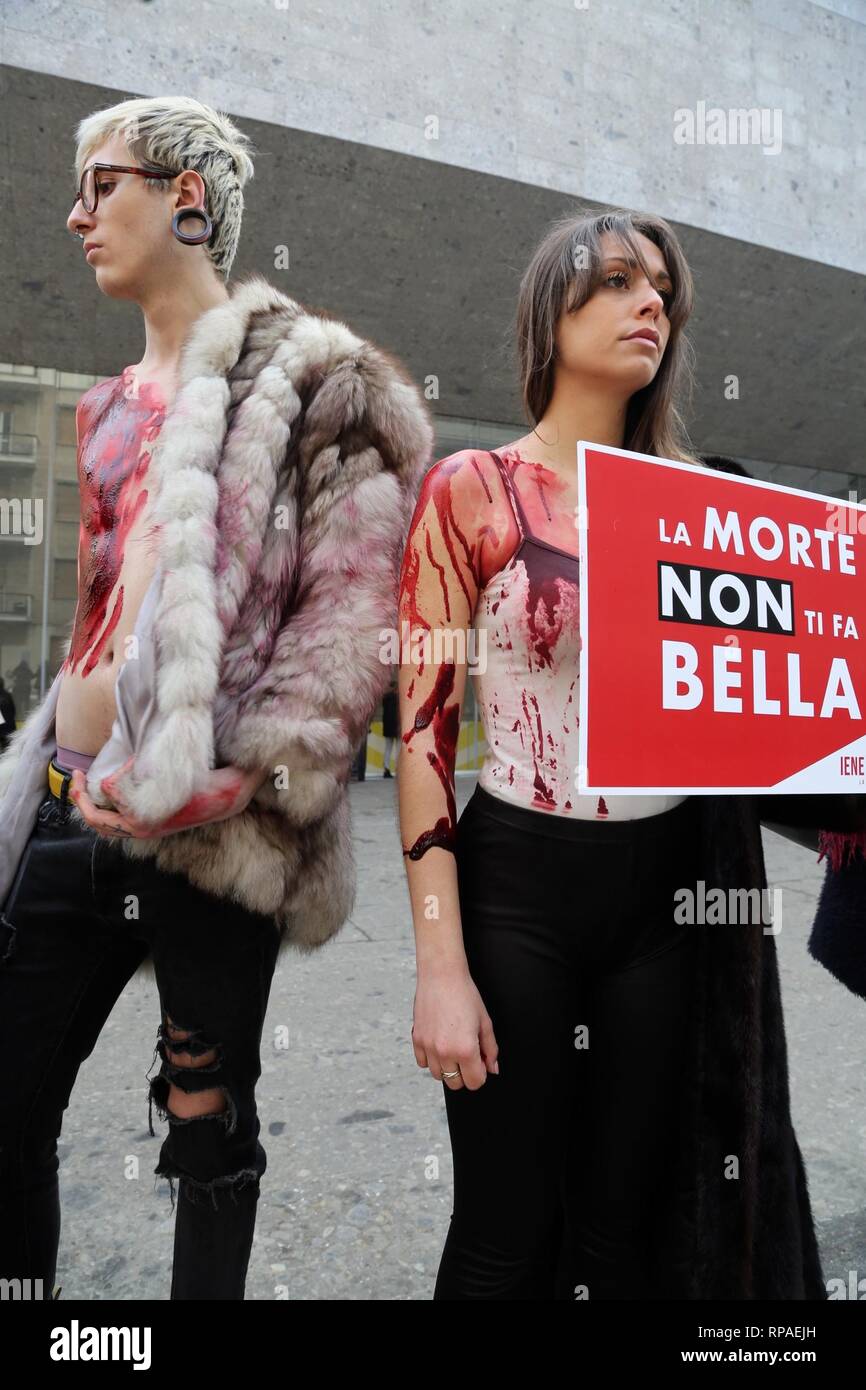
pixel 528 690
pixel 118 424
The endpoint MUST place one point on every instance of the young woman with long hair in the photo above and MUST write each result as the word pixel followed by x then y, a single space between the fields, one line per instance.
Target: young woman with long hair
pixel 558 999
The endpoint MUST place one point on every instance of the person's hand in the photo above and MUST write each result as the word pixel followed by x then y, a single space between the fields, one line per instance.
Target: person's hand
pixel 452 1030
pixel 226 793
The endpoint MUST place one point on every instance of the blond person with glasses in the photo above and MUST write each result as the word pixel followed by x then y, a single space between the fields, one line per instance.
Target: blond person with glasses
pixel 231 482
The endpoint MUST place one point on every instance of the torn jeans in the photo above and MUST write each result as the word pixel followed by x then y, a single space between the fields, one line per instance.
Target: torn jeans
pixel 78 920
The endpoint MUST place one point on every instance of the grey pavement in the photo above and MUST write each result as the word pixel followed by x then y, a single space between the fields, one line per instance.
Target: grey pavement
pixel 357 1194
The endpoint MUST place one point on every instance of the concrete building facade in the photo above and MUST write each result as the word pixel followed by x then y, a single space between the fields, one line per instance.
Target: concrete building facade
pixel 409 155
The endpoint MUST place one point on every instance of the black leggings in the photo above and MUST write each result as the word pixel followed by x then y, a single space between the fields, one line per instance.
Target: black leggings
pixel 566 924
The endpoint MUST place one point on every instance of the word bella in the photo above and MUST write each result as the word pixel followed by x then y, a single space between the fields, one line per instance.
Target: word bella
pixel 683 687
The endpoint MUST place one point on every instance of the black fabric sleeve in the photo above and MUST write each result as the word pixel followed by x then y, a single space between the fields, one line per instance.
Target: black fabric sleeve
pixel 799 816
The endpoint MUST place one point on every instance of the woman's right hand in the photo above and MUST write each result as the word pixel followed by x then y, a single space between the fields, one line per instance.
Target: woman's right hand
pixel 451 1029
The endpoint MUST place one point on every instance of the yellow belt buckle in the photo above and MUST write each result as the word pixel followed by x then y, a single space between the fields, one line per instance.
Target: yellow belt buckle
pixel 55 779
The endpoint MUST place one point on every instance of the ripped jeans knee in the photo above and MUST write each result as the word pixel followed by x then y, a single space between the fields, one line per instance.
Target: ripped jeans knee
pixel 212 1144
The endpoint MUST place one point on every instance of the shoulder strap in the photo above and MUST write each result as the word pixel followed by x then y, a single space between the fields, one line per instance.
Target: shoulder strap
pixel 516 505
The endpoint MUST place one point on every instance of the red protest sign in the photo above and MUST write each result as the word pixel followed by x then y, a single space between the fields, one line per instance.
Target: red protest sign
pixel 721 622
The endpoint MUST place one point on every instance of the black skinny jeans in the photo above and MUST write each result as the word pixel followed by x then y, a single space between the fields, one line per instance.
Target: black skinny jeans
pixel 568 923
pixel 77 922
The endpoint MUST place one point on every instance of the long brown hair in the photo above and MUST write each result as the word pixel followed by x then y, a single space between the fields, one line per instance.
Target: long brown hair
pixel 561 275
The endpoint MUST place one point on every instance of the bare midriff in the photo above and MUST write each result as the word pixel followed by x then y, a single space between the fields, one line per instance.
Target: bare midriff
pixel 118 423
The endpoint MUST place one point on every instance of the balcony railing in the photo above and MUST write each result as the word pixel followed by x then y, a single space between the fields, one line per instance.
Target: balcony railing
pixel 15 607
pixel 21 448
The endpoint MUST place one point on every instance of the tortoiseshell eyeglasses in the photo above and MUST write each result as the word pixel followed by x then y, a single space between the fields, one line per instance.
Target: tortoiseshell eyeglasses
pixel 88 188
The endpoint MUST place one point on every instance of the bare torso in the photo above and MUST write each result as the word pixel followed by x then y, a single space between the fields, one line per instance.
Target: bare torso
pixel 119 421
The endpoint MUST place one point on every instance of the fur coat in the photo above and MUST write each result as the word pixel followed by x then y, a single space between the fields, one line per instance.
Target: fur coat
pixel 288 466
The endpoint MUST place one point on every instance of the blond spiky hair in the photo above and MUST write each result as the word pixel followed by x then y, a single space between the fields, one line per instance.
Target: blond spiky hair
pixel 181 133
